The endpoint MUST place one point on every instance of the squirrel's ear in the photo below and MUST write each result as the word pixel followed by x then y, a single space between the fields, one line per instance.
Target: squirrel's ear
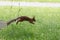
pixel 34 18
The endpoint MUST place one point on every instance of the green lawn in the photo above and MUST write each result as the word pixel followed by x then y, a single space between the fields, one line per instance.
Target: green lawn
pixel 34 0
pixel 46 27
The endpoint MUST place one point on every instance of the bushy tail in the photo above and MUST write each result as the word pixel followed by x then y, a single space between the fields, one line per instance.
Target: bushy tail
pixel 13 20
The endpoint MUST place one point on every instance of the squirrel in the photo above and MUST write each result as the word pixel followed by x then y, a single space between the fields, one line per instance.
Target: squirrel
pixel 21 19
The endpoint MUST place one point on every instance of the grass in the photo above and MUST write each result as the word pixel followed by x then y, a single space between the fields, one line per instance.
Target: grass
pixel 46 27
pixel 34 0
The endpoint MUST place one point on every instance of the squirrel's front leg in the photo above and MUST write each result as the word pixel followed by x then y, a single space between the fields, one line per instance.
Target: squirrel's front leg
pixel 31 22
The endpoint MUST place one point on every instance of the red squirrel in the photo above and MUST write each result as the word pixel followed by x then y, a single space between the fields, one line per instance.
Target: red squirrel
pixel 21 19
pixel 25 18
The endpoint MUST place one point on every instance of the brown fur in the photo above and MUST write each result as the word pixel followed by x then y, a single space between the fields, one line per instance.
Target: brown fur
pixel 21 19
pixel 25 18
pixel 11 21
